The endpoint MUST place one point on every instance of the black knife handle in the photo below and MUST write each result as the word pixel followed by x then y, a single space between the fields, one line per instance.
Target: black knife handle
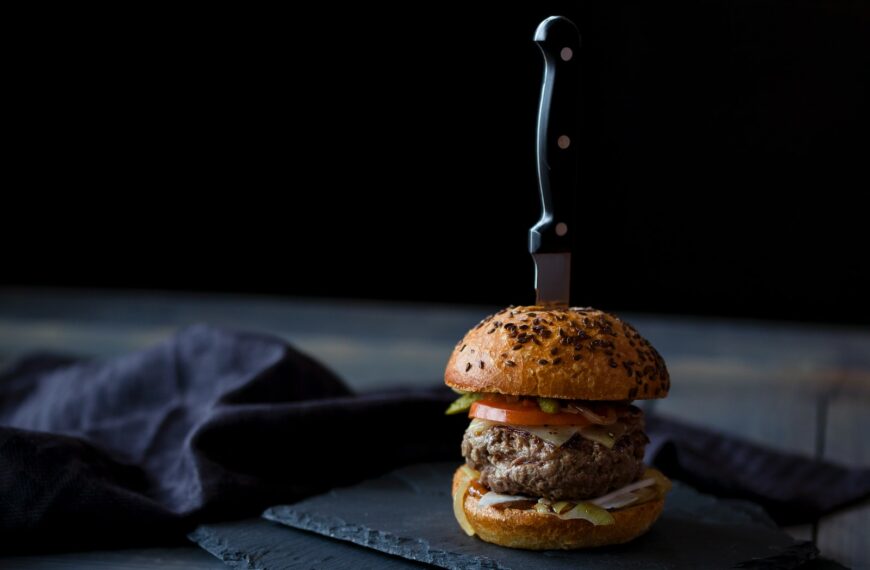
pixel 558 136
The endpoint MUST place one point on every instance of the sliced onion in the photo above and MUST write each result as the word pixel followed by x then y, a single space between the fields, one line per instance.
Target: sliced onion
pixel 594 510
pixel 615 496
pixel 492 498
pixel 459 505
pixel 618 502
pixel 469 473
pixel 647 494
pixel 592 416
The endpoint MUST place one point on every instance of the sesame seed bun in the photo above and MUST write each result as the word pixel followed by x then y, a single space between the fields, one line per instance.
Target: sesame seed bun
pixel 576 353
pixel 530 529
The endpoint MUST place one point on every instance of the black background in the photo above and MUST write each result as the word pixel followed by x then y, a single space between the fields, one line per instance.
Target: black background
pixel 389 153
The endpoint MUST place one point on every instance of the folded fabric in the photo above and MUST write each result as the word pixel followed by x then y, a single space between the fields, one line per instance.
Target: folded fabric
pixel 791 488
pixel 214 424
pixel 208 425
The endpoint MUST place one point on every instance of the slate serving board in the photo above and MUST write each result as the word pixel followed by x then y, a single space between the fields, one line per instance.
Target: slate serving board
pixel 256 544
pixel 408 513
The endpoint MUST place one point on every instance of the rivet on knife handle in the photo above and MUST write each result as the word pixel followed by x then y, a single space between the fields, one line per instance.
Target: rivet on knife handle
pixel 558 157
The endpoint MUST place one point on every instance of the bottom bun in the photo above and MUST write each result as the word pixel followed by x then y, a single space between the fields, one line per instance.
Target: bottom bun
pixel 530 529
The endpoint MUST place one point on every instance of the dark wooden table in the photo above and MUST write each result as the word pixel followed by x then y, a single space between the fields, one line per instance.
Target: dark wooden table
pixel 801 388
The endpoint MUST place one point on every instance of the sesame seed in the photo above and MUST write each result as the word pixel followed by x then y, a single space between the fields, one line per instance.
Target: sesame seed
pixel 481 364
pixel 516 347
pixel 557 360
pixel 543 361
pixel 463 348
pixel 510 363
pixel 490 331
pixel 554 351
pixel 468 367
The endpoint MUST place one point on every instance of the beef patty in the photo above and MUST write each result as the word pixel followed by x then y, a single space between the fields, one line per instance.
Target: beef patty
pixel 515 462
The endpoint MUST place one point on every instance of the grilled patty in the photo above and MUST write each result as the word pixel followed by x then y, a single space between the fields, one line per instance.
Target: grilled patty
pixel 515 462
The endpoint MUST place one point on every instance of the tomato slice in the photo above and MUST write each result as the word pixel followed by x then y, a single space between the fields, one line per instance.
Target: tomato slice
pixel 522 414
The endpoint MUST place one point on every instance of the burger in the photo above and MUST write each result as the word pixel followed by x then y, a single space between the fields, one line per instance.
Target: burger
pixel 554 450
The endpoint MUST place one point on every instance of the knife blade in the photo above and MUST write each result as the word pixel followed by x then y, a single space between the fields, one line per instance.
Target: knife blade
pixel 557 159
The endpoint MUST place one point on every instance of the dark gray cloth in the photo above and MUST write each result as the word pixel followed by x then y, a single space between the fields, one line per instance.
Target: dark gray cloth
pixel 214 425
pixel 209 425
pixel 792 489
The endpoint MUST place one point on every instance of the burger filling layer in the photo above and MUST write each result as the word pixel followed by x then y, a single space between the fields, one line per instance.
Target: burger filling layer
pixel 515 461
pixel 570 459
pixel 553 449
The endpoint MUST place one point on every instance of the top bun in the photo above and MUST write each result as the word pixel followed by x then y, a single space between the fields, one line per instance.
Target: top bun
pixel 571 354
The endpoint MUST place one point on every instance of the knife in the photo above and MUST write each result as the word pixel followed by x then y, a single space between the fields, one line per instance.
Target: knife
pixel 558 158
